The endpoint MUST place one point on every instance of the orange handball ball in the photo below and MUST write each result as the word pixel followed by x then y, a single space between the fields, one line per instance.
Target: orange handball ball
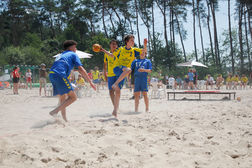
pixel 96 48
pixel 238 98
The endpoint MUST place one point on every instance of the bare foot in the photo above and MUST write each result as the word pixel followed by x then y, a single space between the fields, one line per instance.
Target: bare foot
pixel 53 113
pixel 65 119
pixel 114 114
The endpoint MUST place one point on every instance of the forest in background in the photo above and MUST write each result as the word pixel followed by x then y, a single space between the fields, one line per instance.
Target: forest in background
pixel 32 31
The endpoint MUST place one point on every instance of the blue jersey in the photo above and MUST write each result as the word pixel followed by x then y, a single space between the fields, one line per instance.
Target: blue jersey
pixel 143 64
pixel 64 63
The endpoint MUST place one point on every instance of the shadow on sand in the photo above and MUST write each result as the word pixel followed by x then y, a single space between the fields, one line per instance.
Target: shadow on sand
pixel 132 113
pixel 43 124
pixel 106 115
pixel 108 119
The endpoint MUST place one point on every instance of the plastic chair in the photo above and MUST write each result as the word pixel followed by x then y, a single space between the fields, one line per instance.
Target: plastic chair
pixel 157 93
pixel 49 89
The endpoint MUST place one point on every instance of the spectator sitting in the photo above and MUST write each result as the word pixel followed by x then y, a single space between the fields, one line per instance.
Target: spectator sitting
pixel 219 81
pixel 210 81
pixel 80 81
pixel 160 84
pixel 171 82
pixel 178 82
pixel 235 81
pixel 244 81
pixel 229 82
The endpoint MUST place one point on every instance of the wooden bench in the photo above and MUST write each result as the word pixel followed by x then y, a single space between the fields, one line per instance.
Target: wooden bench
pixel 201 93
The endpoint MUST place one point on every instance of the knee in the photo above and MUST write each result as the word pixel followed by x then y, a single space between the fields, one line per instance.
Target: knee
pixel 117 91
pixel 128 70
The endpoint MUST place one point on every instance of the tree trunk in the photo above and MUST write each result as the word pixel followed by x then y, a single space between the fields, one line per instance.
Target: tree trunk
pixel 249 24
pixel 138 34
pixel 173 33
pixel 201 36
pixel 209 32
pixel 165 22
pixel 118 16
pixel 153 27
pixel 180 35
pixel 216 43
pixel 194 32
pixel 240 37
pixel 103 18
pixel 170 17
pixel 231 39
pixel 165 30
pixel 247 42
pixel 111 21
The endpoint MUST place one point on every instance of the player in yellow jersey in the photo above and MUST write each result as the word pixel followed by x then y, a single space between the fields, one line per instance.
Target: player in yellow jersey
pixel 244 81
pixel 235 81
pixel 109 64
pixel 229 82
pixel 124 57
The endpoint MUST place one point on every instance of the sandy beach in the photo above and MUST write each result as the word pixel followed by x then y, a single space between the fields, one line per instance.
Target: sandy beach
pixel 175 134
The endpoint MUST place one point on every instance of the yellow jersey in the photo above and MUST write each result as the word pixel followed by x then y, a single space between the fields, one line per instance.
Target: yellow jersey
pixel 235 79
pixel 102 77
pixel 126 56
pixel 111 64
pixel 80 81
pixel 228 79
pixel 244 79
pixel 95 75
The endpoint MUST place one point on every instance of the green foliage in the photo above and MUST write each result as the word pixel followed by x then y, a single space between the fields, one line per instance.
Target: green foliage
pixel 32 32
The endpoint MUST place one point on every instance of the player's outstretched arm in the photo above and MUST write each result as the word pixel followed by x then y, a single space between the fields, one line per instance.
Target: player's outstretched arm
pixel 83 72
pixel 145 45
pixel 106 52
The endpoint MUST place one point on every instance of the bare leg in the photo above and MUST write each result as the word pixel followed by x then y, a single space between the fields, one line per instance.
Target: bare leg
pixel 137 95
pixel 112 96
pixel 40 88
pixel 126 72
pixel 116 101
pixel 146 101
pixel 45 89
pixel 63 111
pixel 71 98
pixel 15 88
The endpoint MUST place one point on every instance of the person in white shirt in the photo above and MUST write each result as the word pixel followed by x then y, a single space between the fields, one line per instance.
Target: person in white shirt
pixel 171 81
pixel 210 81
pixel 28 76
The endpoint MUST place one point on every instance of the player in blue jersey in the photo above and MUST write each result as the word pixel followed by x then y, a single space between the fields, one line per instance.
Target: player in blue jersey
pixel 59 76
pixel 141 69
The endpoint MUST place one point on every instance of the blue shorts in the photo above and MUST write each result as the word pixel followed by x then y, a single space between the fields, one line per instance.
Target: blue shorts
pixel 141 85
pixel 61 85
pixel 112 80
pixel 96 81
pixel 118 71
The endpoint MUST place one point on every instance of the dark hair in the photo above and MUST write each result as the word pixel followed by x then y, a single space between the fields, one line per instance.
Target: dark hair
pixel 69 43
pixel 113 40
pixel 15 67
pixel 127 38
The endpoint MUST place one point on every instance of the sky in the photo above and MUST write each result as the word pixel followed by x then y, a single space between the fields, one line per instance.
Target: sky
pixel 221 19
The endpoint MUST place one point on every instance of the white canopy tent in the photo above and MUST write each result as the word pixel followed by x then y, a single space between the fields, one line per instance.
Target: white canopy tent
pixel 80 54
pixel 191 64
